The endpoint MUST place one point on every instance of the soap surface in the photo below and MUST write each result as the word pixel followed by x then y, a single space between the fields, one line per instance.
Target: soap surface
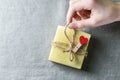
pixel 57 55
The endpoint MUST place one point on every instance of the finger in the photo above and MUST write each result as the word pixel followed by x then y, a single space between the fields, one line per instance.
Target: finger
pixel 81 24
pixel 85 14
pixel 70 15
pixel 77 17
pixel 86 11
pixel 72 10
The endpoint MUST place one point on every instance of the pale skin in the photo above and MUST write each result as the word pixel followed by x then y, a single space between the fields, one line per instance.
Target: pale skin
pixel 92 13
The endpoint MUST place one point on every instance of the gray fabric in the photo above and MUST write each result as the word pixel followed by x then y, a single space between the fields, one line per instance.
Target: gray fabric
pixel 27 27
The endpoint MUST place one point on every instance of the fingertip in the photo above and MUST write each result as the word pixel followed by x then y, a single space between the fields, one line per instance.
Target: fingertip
pixel 72 25
pixel 69 20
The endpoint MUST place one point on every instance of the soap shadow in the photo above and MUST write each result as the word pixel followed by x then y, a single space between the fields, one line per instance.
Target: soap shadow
pixel 113 27
pixel 89 55
pixel 95 45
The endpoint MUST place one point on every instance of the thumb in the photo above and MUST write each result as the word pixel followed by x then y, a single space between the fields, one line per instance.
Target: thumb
pixel 82 24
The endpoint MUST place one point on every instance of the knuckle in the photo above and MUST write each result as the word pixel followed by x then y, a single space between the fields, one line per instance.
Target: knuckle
pixel 91 3
pixel 71 2
pixel 71 8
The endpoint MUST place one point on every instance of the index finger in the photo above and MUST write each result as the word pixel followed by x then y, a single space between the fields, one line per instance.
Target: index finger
pixel 70 15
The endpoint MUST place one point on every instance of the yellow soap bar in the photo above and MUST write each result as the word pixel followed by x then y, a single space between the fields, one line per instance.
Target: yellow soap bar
pixel 57 55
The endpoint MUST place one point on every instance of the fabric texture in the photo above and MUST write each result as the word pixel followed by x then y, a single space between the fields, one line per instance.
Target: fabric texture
pixel 27 27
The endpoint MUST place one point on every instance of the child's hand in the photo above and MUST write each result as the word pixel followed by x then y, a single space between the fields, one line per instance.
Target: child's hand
pixel 92 13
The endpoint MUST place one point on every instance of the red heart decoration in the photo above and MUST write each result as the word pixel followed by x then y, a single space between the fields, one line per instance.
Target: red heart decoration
pixel 83 40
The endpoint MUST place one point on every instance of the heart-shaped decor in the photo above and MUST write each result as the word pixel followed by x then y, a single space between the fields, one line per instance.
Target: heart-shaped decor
pixel 83 40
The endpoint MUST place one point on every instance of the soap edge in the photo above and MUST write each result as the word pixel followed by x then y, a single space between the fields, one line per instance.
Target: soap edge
pixel 59 26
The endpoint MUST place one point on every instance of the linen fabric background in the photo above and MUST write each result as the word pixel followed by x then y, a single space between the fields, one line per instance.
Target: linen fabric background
pixel 27 27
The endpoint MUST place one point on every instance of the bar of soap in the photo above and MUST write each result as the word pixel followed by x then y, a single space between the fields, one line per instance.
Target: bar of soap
pixel 57 55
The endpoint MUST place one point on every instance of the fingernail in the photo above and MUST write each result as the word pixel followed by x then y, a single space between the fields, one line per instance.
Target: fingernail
pixel 72 25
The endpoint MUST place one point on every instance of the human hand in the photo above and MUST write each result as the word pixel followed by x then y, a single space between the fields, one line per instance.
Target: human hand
pixel 92 13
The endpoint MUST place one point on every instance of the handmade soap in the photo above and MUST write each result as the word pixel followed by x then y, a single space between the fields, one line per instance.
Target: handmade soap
pixel 57 55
